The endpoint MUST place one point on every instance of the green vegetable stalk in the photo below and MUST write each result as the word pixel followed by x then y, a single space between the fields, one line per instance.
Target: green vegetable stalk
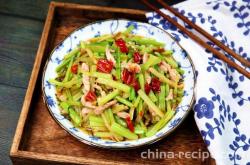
pixel 103 100
pixel 150 103
pixel 75 117
pixel 163 78
pixel 118 66
pixel 160 124
pixel 162 98
pixel 153 60
pixel 114 84
pixel 152 96
pixel 141 81
pixel 120 121
pixel 123 131
pixel 124 101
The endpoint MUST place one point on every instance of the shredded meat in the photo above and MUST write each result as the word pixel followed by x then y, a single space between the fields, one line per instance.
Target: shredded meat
pixel 85 111
pixel 170 95
pixel 133 67
pixel 174 75
pixel 123 115
pixel 145 57
pixel 100 109
pixel 148 77
pixel 87 103
pixel 109 56
pixel 165 67
pixel 100 89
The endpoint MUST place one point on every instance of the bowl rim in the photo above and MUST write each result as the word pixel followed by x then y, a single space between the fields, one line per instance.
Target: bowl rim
pixel 118 147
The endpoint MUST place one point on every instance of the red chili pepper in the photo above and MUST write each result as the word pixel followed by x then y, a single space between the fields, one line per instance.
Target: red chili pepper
pixel 137 57
pixel 122 45
pixel 147 88
pixel 104 66
pixel 130 124
pixel 120 42
pixel 124 49
pixel 125 74
pixel 136 85
pixel 156 84
pixel 90 96
pixel 74 69
pixel 127 77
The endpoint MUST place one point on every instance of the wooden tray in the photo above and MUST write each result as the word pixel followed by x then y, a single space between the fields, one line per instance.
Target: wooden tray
pixel 40 140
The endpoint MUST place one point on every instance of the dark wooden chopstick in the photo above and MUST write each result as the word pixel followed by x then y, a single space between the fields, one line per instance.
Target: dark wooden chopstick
pixel 199 40
pixel 206 34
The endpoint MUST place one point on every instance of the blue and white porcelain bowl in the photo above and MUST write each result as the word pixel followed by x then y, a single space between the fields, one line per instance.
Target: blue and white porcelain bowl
pixel 110 27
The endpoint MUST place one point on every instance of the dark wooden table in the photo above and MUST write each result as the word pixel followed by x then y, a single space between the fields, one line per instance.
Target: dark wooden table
pixel 20 31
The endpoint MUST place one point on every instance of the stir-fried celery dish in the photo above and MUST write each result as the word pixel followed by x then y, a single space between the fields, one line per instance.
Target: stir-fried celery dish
pixel 119 87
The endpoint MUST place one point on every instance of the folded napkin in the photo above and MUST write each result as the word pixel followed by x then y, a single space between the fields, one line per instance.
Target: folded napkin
pixel 222 108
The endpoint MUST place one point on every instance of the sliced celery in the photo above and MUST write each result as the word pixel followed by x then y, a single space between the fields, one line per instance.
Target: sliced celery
pixel 74 103
pixel 114 84
pixel 119 107
pixel 103 134
pixel 77 96
pixel 68 72
pixel 180 71
pixel 123 131
pixel 132 94
pixel 97 74
pixel 163 78
pixel 118 65
pixel 136 102
pixel 75 117
pixel 65 107
pixel 62 65
pixel 150 103
pixel 141 81
pixel 139 129
pixel 131 113
pixel 108 97
pixel 167 52
pixel 152 96
pixel 160 124
pixel 72 53
pixel 120 121
pixel 153 60
pixel 106 121
pixel 171 62
pixel 96 124
pixel 124 101
pixel 111 116
pixel 91 55
pixel 96 119
pixel 167 89
pixel 146 41
pixel 97 48
pixel 68 84
pixel 162 97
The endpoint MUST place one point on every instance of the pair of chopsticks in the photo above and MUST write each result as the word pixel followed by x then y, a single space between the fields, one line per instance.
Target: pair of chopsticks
pixel 199 40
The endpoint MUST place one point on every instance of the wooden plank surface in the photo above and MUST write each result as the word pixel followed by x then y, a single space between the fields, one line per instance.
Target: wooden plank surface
pixel 21 26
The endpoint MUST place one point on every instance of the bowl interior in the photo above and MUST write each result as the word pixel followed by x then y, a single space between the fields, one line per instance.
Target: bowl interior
pixel 110 27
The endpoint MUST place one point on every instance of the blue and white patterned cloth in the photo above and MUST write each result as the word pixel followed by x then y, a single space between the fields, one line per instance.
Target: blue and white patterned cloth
pixel 222 109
